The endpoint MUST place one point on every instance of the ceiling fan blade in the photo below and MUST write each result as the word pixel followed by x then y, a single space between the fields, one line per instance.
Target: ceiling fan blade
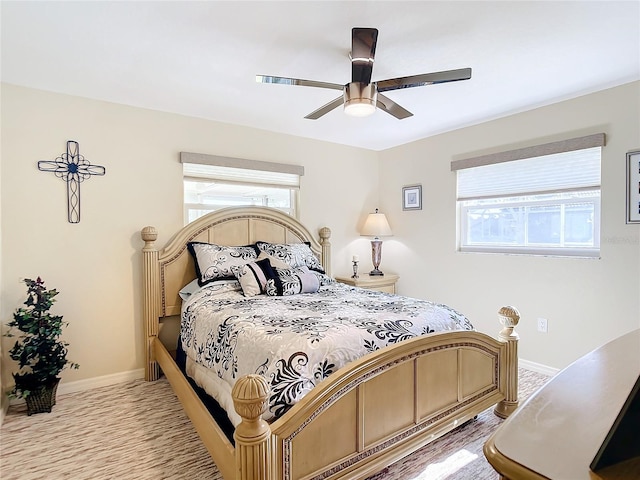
pixel 392 108
pixel 424 79
pixel 363 51
pixel 325 108
pixel 297 81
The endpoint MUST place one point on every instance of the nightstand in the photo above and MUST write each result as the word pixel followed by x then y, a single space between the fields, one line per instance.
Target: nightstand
pixel 385 283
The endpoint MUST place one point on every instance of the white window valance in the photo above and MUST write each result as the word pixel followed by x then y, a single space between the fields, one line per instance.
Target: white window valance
pixel 242 163
pixel 579 143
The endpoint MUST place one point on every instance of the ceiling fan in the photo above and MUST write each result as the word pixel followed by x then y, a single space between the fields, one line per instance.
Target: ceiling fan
pixel 361 96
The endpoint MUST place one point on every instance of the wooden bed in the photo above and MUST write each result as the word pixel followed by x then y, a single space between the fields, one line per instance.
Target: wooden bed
pixel 366 415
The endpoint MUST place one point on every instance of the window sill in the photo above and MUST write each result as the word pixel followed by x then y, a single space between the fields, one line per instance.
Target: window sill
pixel 590 253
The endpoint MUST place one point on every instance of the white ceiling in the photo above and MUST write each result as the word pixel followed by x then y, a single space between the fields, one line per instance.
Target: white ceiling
pixel 201 58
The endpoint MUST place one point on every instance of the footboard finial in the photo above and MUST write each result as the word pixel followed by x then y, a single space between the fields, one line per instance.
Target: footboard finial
pixel 253 434
pixel 509 318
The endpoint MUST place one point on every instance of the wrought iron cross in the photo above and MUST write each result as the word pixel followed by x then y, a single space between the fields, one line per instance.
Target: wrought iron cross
pixel 73 168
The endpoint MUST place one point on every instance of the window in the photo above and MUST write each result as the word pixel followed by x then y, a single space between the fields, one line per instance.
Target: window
pixel 212 182
pixel 520 202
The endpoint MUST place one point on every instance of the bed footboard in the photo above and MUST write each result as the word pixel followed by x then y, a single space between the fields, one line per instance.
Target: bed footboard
pixel 380 408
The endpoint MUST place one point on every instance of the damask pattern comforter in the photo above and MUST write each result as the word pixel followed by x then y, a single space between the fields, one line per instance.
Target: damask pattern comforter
pixel 295 341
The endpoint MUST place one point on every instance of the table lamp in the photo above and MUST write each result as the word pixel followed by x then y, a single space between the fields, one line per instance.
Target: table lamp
pixel 376 226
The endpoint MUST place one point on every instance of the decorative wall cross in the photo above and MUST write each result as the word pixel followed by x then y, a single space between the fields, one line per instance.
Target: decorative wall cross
pixel 73 168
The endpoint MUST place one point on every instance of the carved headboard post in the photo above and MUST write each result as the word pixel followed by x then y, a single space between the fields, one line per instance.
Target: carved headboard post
pixel 325 234
pixel 151 301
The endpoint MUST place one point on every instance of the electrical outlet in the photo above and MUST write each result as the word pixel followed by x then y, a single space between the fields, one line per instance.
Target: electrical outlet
pixel 542 325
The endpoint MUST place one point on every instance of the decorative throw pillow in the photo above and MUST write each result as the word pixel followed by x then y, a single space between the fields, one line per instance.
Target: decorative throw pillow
pixel 292 281
pixel 253 277
pixel 217 262
pixel 309 282
pixel 323 278
pixel 275 262
pixel 293 254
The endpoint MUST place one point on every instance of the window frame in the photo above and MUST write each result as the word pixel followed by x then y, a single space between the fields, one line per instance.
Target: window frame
pixel 527 247
pixel 292 211
pixel 526 199
pixel 263 178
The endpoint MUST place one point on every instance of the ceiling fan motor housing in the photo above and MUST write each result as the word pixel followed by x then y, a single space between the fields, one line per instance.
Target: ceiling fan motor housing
pixel 360 98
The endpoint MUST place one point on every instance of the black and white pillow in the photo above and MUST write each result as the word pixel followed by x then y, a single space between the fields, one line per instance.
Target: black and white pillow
pixel 253 277
pixel 292 281
pixel 293 254
pixel 218 262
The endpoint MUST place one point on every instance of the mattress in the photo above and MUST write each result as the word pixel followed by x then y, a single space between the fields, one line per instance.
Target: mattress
pixel 295 341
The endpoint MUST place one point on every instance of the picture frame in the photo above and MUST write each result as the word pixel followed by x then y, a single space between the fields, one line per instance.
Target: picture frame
pixel 633 186
pixel 412 197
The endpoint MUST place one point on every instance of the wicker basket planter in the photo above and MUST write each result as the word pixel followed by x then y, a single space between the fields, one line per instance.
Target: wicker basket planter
pixel 43 398
pixel 40 353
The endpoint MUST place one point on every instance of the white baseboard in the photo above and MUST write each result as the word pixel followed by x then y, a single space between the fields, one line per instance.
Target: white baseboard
pixel 114 378
pixel 95 382
pixel 103 381
pixel 537 367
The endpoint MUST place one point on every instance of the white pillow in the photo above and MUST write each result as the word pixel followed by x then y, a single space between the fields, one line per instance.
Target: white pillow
pixel 189 289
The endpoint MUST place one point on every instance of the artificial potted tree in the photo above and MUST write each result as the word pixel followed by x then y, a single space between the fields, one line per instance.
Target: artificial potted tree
pixel 38 350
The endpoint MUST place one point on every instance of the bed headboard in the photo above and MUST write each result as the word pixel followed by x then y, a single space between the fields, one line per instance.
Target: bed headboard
pixel 167 270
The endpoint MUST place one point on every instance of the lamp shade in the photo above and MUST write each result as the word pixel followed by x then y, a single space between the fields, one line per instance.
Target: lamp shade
pixel 376 225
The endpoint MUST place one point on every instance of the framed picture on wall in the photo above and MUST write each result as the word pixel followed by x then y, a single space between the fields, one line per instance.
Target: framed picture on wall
pixel 412 197
pixel 633 187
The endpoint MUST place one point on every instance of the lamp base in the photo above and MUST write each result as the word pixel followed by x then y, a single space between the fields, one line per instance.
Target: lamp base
pixel 376 256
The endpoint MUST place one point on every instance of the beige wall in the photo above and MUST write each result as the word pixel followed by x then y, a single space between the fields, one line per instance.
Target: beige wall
pixel 587 302
pixel 95 264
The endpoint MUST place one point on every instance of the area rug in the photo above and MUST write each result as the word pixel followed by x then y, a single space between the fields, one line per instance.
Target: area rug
pixel 138 430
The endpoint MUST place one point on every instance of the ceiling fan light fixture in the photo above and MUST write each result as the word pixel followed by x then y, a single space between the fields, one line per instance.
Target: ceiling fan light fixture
pixel 360 99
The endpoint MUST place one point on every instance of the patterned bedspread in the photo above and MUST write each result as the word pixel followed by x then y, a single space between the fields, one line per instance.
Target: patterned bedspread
pixel 296 341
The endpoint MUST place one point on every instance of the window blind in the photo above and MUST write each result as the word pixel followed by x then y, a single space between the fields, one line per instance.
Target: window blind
pixel 200 166
pixel 560 172
pixel 245 176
